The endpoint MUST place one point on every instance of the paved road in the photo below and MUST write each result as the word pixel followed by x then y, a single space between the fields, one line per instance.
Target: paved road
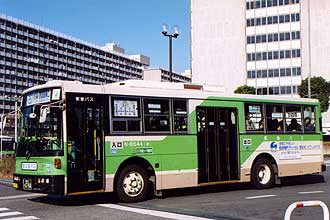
pixel 239 201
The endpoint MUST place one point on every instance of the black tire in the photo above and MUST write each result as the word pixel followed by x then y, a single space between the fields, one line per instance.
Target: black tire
pixel 263 176
pixel 133 184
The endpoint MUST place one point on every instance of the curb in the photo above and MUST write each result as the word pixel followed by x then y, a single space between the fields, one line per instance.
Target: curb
pixel 7 182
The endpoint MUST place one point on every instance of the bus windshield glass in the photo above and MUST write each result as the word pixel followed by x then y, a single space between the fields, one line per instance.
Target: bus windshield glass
pixel 39 137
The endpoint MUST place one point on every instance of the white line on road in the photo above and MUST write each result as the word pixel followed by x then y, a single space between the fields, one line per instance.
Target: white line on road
pixel 21 218
pixel 260 197
pixel 161 214
pixel 10 214
pixel 3 209
pixel 311 192
pixel 21 196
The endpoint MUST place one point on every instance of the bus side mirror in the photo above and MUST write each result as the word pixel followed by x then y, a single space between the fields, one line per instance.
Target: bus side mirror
pixel 43 114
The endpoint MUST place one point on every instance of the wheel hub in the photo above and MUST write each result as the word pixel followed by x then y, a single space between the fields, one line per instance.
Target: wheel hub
pixel 133 184
pixel 264 174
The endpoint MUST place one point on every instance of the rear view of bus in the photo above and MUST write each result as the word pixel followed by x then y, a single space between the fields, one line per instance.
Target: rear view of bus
pixel 40 154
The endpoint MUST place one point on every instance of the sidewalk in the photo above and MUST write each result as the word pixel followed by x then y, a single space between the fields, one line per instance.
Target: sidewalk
pixel 7 182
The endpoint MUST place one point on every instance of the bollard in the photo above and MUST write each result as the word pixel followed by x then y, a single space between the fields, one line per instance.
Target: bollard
pixel 294 205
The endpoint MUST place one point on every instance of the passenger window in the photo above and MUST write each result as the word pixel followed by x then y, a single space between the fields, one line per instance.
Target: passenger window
pixel 126 116
pixel 254 120
pixel 157 115
pixel 293 118
pixel 274 115
pixel 180 113
pixel 309 119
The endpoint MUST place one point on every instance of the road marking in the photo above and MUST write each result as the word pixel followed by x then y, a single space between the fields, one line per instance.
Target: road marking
pixel 10 214
pixel 161 214
pixel 22 218
pixel 21 196
pixel 260 197
pixel 311 192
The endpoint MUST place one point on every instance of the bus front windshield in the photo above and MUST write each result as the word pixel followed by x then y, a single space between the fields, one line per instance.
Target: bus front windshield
pixel 38 138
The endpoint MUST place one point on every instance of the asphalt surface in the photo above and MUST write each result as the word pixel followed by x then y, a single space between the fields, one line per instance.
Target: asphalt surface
pixel 234 202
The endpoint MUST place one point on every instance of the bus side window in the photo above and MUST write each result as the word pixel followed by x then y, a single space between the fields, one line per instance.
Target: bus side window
pixel 157 115
pixel 180 116
pixel 275 122
pixel 126 115
pixel 309 119
pixel 254 119
pixel 293 118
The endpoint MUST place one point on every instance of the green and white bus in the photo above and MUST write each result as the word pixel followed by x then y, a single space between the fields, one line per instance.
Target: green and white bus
pixel 136 137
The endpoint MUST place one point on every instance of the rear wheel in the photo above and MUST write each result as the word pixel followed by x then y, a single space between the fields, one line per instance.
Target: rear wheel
pixel 263 176
pixel 133 184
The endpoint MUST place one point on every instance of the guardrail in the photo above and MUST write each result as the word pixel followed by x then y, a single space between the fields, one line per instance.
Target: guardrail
pixel 294 205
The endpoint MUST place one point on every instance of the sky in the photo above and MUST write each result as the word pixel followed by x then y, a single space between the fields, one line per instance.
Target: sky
pixel 133 24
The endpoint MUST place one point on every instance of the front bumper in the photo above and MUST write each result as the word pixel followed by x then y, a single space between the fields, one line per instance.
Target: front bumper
pixel 40 184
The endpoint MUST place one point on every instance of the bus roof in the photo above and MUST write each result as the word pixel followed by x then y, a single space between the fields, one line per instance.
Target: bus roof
pixel 163 89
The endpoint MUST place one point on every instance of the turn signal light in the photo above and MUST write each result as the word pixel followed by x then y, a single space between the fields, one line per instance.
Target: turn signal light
pixel 58 163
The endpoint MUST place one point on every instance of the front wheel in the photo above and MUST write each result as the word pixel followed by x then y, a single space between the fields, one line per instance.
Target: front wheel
pixel 263 176
pixel 133 184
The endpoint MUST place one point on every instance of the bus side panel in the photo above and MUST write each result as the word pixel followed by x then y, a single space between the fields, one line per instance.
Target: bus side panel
pixel 173 158
pixel 295 154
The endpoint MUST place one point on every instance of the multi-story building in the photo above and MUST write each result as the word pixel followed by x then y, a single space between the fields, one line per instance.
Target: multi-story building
pixel 31 55
pixel 271 45
pixel 161 75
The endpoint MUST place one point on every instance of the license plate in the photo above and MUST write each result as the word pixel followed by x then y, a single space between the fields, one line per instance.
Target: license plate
pixel 29 166
pixel 27 184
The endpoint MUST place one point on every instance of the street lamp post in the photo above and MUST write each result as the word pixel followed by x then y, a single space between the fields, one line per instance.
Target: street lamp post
pixel 170 37
pixel 3 116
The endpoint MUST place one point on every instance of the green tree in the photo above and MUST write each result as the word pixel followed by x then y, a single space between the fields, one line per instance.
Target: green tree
pixel 320 89
pixel 244 89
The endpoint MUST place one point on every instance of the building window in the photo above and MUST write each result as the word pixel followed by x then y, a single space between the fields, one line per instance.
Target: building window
pixel 270 55
pixel 269 3
pixel 270 37
pixel 288 72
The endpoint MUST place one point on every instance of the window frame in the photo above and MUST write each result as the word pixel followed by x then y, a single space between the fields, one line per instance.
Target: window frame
pixel 125 118
pixel 246 104
pixel 173 115
pixel 170 131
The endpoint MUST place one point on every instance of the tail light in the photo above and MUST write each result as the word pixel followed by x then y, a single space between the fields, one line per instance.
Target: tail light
pixel 58 163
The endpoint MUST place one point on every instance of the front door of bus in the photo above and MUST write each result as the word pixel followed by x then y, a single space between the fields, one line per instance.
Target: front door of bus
pixel 217 144
pixel 85 143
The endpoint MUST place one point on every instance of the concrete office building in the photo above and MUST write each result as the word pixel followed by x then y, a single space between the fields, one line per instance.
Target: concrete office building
pixel 268 44
pixel 31 55
pixel 161 75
